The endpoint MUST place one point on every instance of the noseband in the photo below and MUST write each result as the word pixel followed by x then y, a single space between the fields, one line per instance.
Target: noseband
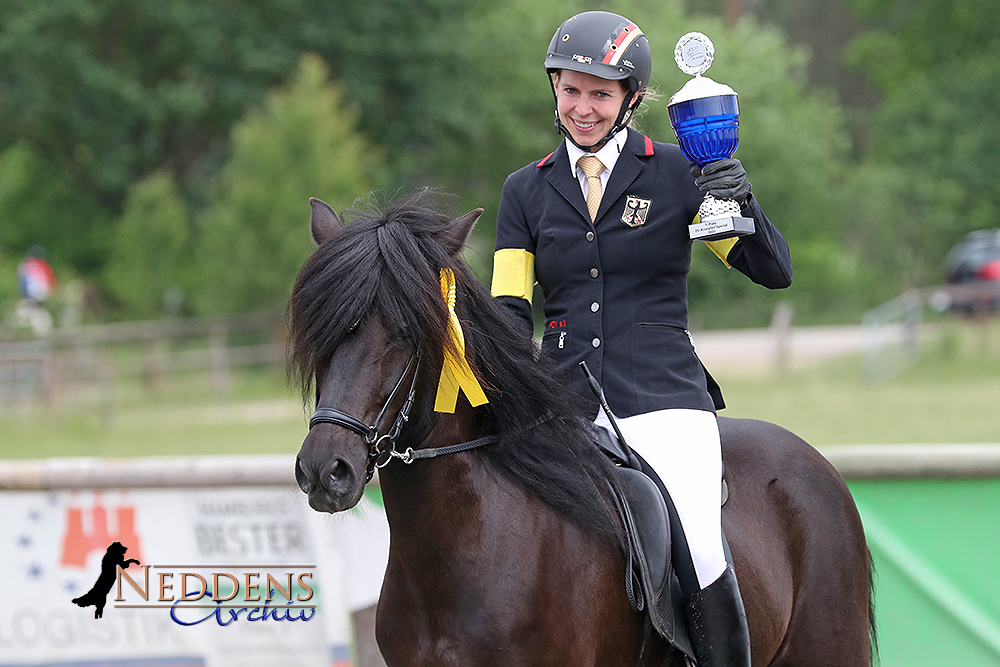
pixel 381 448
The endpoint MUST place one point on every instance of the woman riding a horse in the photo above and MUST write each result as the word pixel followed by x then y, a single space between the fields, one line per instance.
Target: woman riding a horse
pixel 507 546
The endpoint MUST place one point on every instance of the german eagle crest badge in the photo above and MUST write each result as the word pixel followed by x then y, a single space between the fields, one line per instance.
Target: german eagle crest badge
pixel 636 210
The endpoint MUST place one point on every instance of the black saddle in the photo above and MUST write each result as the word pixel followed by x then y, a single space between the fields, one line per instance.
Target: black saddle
pixel 651 582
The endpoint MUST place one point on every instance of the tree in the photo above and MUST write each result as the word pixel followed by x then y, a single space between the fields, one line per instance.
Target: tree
pixel 906 39
pixel 103 93
pixel 152 248
pixel 8 284
pixel 935 141
pixel 254 234
pixel 39 207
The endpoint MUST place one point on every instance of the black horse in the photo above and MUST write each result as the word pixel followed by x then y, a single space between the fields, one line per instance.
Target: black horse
pixel 97 596
pixel 508 554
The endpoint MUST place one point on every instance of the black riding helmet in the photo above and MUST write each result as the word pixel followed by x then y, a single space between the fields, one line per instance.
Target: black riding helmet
pixel 605 45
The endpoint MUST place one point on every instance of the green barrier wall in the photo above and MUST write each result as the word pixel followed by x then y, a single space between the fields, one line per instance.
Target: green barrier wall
pixel 935 543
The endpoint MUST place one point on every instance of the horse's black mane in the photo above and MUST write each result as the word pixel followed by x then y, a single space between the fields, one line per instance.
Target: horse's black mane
pixel 388 261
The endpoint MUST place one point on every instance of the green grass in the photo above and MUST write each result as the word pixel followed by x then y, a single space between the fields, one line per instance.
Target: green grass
pixel 951 395
pixel 181 416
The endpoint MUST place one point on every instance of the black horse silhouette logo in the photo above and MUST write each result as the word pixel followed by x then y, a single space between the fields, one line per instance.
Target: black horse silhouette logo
pixel 98 595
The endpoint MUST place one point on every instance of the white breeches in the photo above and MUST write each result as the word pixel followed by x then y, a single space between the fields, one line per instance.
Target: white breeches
pixel 683 447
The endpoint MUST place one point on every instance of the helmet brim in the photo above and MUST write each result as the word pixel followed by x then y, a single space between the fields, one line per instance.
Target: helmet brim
pixel 557 61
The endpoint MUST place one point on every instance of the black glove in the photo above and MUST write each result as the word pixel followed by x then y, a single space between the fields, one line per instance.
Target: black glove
pixel 723 179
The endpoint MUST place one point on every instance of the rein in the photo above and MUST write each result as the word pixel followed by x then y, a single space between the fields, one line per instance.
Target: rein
pixel 411 455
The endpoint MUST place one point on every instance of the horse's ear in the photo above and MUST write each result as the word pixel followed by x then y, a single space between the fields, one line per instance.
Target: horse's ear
pixel 453 239
pixel 324 222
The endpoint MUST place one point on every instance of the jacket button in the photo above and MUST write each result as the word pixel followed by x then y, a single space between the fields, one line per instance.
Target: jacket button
pixel 596 342
pixel 594 307
pixel 590 236
pixel 594 273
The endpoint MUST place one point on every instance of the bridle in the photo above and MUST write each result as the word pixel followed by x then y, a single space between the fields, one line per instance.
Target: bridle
pixel 381 447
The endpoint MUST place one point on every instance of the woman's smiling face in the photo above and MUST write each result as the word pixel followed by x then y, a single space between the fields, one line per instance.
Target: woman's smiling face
pixel 588 105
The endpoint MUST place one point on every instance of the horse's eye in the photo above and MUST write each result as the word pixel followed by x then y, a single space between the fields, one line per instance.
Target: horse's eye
pixel 351 329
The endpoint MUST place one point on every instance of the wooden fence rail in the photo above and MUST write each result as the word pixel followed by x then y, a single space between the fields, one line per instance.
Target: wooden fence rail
pixel 90 359
pixel 853 462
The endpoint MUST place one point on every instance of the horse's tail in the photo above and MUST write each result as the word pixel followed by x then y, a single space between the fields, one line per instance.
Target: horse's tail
pixel 872 630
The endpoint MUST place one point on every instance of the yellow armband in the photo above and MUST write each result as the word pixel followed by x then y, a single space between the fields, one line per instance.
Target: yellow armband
pixel 513 273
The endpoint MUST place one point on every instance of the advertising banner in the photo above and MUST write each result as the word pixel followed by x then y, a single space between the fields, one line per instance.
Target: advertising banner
pixel 231 576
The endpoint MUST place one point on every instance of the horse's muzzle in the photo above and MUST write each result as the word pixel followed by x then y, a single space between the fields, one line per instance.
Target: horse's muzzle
pixel 332 485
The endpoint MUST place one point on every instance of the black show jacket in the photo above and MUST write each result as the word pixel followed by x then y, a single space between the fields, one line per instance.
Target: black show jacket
pixel 616 295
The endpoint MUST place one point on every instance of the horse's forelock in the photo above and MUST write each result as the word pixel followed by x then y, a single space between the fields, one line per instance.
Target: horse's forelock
pixel 384 261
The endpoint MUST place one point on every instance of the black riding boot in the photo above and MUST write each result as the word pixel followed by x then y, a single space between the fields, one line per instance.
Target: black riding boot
pixel 718 624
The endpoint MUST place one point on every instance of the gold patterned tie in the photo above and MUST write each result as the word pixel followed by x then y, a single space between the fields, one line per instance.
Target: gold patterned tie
pixel 592 167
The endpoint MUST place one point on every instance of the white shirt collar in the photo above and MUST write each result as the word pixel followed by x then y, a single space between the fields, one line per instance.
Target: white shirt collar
pixel 608 153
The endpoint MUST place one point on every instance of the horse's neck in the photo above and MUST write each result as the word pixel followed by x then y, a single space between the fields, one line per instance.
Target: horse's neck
pixel 431 504
pixel 482 572
pixel 453 508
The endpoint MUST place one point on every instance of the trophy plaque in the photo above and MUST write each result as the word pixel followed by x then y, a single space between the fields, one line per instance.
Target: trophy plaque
pixel 706 119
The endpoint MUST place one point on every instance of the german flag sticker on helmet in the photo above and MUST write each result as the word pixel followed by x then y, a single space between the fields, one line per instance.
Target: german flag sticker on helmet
pixel 618 47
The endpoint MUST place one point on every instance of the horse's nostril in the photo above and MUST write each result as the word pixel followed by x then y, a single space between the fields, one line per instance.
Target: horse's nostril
pixel 341 477
pixel 301 477
pixel 339 472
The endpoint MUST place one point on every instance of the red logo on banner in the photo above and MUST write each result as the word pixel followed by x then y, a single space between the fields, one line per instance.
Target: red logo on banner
pixel 78 544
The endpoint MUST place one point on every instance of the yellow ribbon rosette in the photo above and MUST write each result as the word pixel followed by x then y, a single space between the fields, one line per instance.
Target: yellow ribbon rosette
pixel 456 374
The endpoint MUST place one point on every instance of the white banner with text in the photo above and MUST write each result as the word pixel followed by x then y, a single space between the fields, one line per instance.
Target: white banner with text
pixel 232 576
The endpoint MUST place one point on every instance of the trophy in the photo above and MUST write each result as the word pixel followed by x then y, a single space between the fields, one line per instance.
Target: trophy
pixel 706 119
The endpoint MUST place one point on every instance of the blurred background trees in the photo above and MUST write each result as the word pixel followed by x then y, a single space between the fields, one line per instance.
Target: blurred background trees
pixel 164 152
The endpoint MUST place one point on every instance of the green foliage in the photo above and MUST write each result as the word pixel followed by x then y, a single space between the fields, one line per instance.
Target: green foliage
pixel 110 91
pixel 944 127
pixel 41 207
pixel 106 93
pixel 99 96
pixel 152 248
pixel 8 282
pixel 934 142
pixel 910 37
pixel 254 233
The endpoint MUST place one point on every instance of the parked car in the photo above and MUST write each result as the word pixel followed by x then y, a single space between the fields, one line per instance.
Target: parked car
pixel 972 268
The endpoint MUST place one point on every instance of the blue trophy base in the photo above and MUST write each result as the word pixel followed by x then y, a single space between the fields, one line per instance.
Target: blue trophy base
pixel 716 229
